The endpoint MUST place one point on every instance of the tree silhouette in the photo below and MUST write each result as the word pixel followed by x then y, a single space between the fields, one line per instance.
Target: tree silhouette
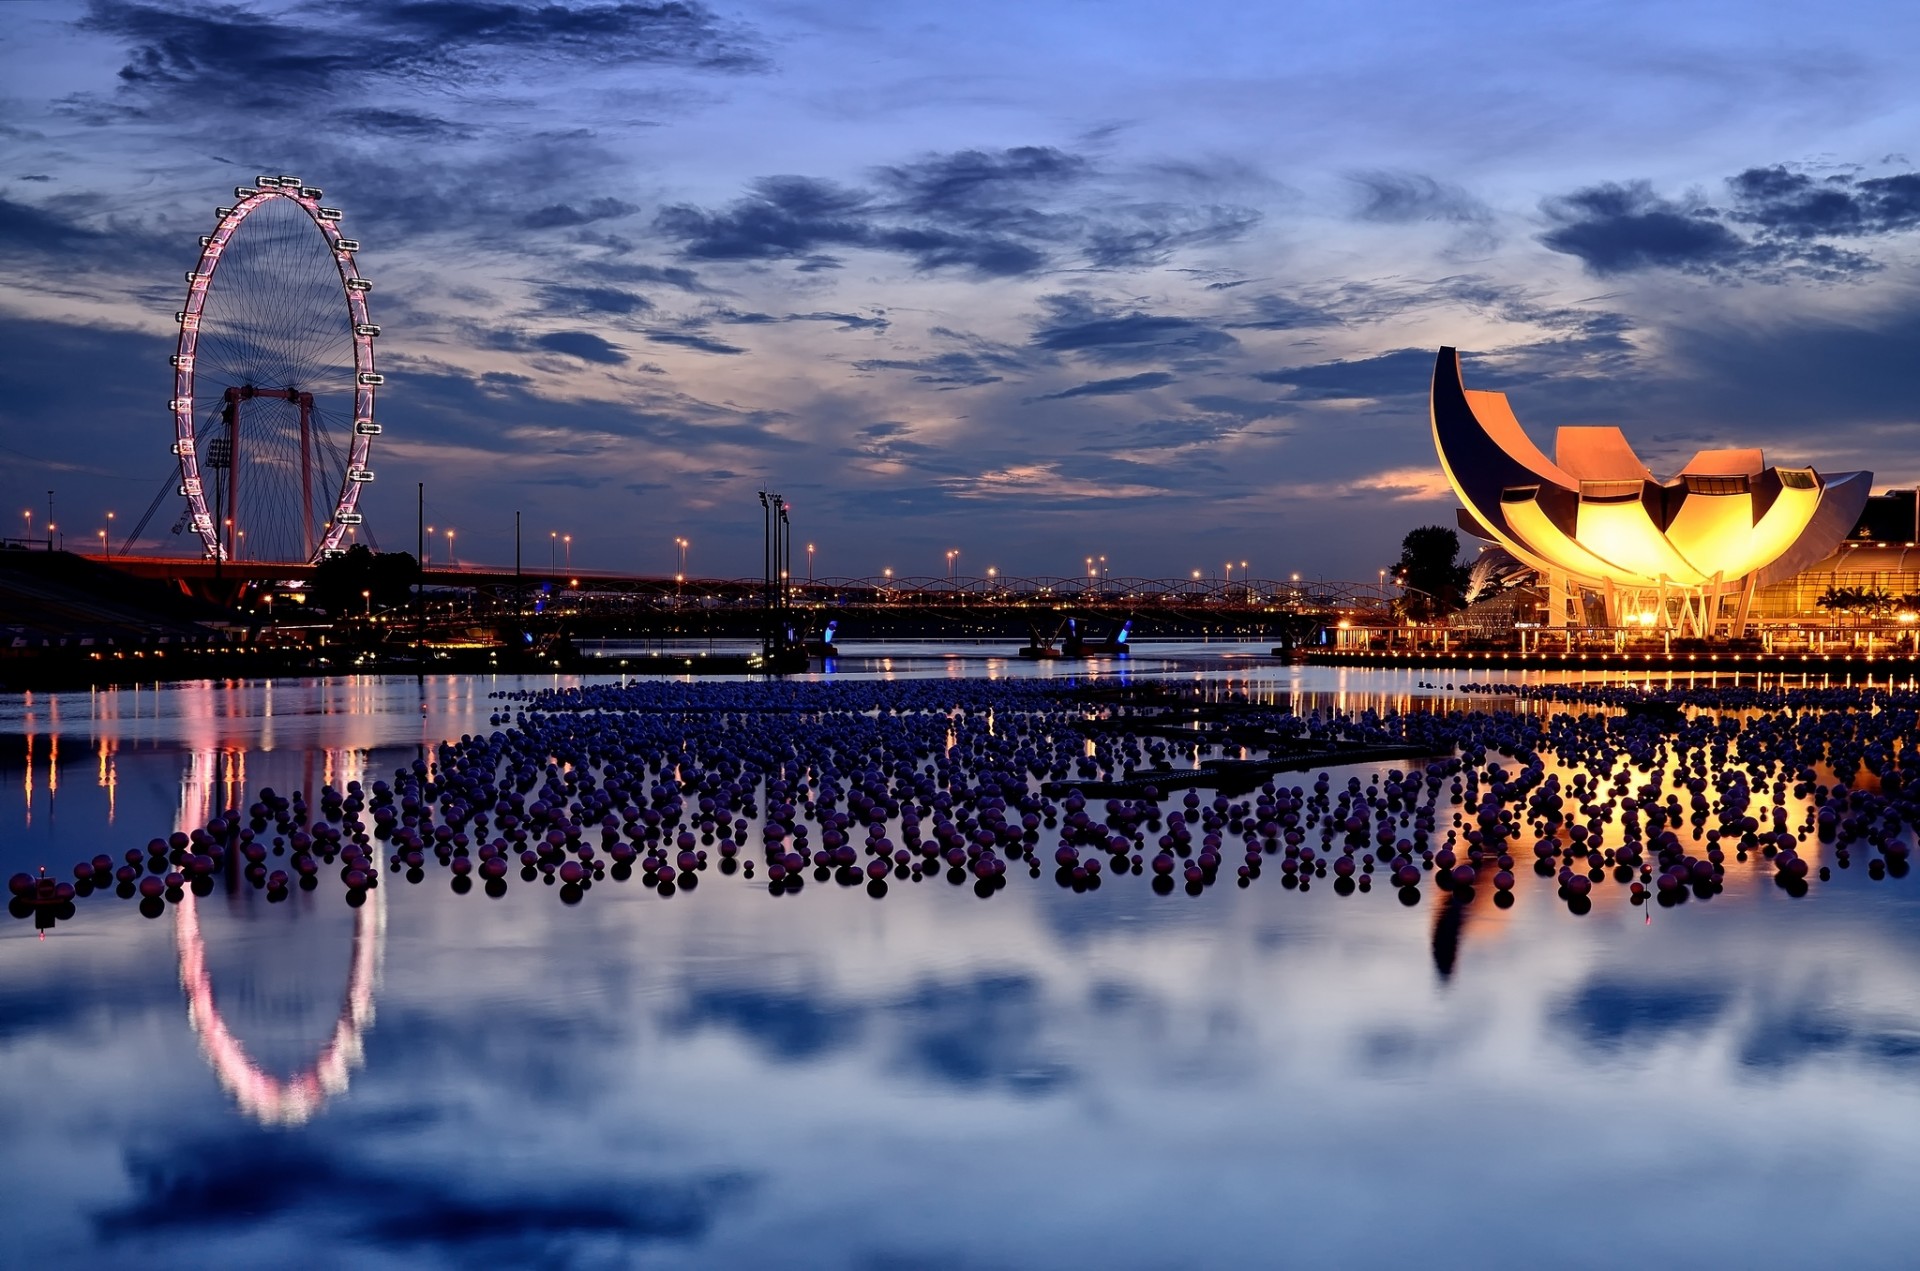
pixel 1430 571
pixel 338 581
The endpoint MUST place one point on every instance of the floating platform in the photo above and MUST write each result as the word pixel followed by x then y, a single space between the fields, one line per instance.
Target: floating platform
pixel 1233 774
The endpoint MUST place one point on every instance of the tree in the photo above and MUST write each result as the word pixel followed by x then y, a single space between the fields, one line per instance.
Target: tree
pixel 339 581
pixel 1868 600
pixel 1431 573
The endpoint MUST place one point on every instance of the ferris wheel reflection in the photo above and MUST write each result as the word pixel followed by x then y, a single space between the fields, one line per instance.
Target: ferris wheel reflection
pixel 215 775
pixel 266 1098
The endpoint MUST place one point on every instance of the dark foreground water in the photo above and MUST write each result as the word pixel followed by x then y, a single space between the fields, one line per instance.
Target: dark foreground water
pixel 1040 1079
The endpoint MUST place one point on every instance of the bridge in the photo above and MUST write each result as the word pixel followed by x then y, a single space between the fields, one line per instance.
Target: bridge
pixel 608 593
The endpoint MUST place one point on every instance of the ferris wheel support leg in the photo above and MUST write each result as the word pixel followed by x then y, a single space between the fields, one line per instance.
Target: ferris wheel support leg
pixel 306 475
pixel 231 418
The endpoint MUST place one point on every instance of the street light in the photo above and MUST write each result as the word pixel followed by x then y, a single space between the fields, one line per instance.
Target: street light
pixel 451 561
pixel 681 543
pixel 951 553
pixel 566 541
pixel 368 597
pixel 109 535
pixel 553 550
pixel 809 564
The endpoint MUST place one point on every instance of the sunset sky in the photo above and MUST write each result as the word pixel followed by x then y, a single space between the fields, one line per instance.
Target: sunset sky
pixel 1033 281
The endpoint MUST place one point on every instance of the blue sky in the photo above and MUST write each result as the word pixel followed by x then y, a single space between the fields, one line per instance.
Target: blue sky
pixel 1037 282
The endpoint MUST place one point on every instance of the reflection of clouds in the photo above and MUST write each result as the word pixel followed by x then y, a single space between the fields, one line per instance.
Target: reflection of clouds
pixel 266 1098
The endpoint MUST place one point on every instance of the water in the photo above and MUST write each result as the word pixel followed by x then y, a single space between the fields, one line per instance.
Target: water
pixel 1041 1079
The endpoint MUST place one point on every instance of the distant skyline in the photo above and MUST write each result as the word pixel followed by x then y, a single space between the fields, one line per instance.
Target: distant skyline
pixel 1033 282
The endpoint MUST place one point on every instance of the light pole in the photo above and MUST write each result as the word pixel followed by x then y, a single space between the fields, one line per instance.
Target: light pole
pixel 103 542
pixel 1246 580
pixel 426 549
pixel 809 566
pixel 682 544
pixel 566 541
pixel 368 597
pixel 951 553
pixel 109 536
pixel 553 551
pixel 451 560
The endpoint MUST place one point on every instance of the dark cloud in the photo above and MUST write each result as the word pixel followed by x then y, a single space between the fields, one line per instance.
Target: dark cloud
pixel 405 125
pixel 221 1188
pixel 978 361
pixel 1272 312
pixel 584 345
pixel 1401 373
pixel 243 57
pixel 667 275
pixel 559 298
pixel 980 1033
pixel 1772 227
pixel 843 321
pixel 992 214
pixel 1617 229
pixel 787 1026
pixel 1609 1014
pixel 943 370
pixel 1083 326
pixel 782 217
pixel 1793 204
pixel 1137 235
pixel 985 189
pixel 694 340
pixel 1112 387
pixel 1402 198
pixel 566 216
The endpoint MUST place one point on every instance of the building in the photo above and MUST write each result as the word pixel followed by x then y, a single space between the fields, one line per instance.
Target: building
pixel 1613 545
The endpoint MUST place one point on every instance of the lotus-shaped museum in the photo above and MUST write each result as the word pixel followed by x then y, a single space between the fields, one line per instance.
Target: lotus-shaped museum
pixel 1594 519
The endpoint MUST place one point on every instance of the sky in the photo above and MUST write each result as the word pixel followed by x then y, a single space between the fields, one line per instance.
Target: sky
pixel 1030 282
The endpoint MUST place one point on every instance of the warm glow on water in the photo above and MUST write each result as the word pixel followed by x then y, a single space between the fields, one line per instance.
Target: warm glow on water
pixel 1043 1079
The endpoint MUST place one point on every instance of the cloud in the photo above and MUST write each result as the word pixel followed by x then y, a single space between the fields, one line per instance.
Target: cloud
pixel 1044 482
pixel 1793 204
pixel 1082 326
pixel 566 216
pixel 220 1188
pixel 244 57
pixel 1775 225
pixel 1403 485
pixel 1111 387
pixel 988 214
pixel 1272 312
pixel 1401 373
pixel 1404 198
pixel 1614 229
pixel 584 345
pixel 787 1026
pixel 694 340
pixel 560 298
pixel 406 125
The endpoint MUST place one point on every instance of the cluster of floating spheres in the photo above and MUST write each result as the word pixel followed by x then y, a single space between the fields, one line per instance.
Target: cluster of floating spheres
pixel 876 785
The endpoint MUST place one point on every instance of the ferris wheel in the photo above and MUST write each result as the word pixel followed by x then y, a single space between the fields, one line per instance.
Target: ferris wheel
pixel 274 381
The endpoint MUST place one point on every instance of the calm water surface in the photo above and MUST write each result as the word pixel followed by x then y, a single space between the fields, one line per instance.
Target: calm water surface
pixel 727 1079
